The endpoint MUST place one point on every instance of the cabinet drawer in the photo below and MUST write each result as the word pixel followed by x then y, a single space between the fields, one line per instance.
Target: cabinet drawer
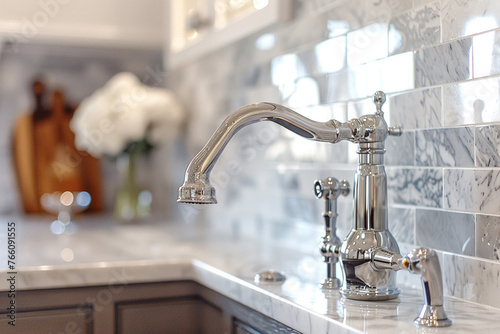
pixel 75 321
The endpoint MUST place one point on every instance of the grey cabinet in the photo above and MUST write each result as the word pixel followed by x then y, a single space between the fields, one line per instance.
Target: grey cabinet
pixel 184 315
pixel 171 307
pixel 247 321
pixel 49 321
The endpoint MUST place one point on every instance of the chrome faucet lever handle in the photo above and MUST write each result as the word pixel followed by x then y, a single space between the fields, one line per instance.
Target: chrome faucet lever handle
pixel 395 131
pixel 330 189
pixel 379 99
pixel 423 262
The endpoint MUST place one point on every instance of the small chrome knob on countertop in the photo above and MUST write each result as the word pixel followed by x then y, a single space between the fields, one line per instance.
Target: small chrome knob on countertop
pixel 269 276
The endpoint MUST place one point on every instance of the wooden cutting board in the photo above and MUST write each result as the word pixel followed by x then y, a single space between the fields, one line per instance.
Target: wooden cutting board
pixel 45 156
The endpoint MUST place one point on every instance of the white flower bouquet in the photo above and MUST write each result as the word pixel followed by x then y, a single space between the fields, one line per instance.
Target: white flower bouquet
pixel 126 116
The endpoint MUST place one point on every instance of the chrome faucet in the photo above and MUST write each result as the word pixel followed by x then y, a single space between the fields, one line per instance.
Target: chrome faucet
pixel 369 255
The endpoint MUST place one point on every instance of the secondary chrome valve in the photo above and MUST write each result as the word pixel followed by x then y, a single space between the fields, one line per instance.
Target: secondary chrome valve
pixel 330 189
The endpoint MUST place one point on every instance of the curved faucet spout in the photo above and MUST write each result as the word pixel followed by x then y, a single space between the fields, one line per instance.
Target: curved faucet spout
pixel 197 187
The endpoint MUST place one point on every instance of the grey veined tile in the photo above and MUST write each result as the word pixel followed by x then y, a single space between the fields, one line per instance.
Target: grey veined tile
pixel 472 102
pixel 486 49
pixel 417 109
pixel 415 29
pixel 350 15
pixel 287 68
pixel 467 17
pixel 415 186
pixel 400 151
pixel 488 237
pixel 445 147
pixel 358 108
pixel 306 91
pixel 331 55
pixel 402 224
pixel 302 31
pixel 443 64
pixel 471 279
pixel 488 146
pixel 391 74
pixel 367 44
pixel 420 3
pixel 474 190
pixel 447 231
pixel 337 89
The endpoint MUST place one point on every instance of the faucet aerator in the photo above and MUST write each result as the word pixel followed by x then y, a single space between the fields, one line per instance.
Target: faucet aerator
pixel 196 194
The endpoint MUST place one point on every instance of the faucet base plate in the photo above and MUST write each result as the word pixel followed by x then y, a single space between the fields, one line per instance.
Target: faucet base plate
pixel 331 284
pixel 432 316
pixel 367 293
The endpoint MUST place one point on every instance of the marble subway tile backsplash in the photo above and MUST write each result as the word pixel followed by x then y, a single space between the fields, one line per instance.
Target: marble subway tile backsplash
pixel 486 53
pixel 390 74
pixel 400 151
pixel 488 146
pixel 402 225
pixel 438 62
pixel 330 55
pixel 417 109
pixel 444 63
pixel 445 147
pixel 415 29
pixel 472 102
pixel 471 279
pixel 415 186
pixel 488 237
pixel 447 231
pixel 465 17
pixel 473 190
pixel 367 44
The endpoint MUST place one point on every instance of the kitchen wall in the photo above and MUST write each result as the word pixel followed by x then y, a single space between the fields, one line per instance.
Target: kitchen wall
pixel 438 62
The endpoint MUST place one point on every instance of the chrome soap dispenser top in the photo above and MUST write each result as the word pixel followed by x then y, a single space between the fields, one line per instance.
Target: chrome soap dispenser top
pixel 369 255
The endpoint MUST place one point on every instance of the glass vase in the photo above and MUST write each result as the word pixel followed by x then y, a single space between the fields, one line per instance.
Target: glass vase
pixel 132 202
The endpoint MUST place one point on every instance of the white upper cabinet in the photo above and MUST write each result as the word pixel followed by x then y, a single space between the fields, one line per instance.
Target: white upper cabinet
pixel 198 27
pixel 112 23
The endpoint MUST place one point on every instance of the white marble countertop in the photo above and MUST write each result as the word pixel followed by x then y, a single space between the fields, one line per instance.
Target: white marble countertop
pixel 100 252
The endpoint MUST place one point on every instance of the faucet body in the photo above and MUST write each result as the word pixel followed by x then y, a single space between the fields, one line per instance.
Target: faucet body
pixel 369 255
pixel 370 230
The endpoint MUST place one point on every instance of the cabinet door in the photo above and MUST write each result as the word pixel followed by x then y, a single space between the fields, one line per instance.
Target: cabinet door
pixel 248 321
pixel 242 328
pixel 50 321
pixel 180 316
pixel 260 325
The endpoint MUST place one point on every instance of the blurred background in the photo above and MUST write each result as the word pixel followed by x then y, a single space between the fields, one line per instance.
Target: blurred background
pixel 71 48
